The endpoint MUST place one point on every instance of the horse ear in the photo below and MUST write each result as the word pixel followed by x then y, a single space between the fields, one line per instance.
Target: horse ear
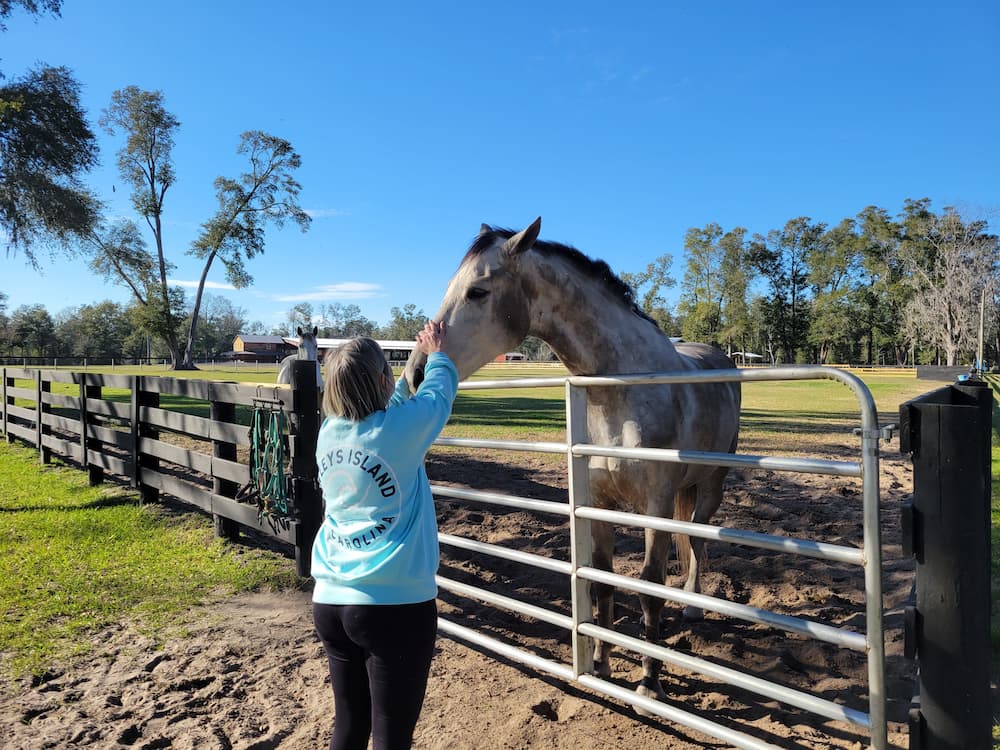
pixel 523 240
pixel 484 229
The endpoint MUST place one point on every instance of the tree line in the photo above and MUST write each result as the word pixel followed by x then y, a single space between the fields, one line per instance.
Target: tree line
pixel 876 288
pixel 109 331
pixel 917 287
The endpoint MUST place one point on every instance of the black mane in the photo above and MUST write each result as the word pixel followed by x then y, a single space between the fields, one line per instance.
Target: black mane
pixel 596 269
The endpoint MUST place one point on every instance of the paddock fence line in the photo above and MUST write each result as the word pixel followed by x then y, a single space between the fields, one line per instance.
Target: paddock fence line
pixel 185 438
pixel 580 514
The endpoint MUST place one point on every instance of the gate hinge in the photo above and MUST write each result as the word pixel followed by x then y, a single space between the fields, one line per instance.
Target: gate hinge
pixel 886 432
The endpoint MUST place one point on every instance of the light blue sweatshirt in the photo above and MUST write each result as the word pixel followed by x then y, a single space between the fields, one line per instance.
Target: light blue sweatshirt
pixel 378 541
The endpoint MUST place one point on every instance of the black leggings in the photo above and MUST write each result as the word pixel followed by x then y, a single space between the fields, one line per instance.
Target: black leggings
pixel 379 657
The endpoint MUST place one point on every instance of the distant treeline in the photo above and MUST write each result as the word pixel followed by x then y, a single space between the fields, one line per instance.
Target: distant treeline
pixel 917 288
pixel 920 287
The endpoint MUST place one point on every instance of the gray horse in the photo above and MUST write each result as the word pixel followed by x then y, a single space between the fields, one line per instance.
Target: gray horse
pixel 510 285
pixel 307 350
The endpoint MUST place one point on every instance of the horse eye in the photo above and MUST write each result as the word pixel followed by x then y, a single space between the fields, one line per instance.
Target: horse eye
pixel 476 293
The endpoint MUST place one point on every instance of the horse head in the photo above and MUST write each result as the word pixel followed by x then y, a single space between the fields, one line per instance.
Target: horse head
pixel 486 306
pixel 308 348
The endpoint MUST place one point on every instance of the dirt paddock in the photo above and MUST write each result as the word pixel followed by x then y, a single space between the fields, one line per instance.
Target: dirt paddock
pixel 247 672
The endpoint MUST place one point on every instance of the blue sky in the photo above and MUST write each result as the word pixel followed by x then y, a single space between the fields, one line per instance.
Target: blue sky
pixel 620 124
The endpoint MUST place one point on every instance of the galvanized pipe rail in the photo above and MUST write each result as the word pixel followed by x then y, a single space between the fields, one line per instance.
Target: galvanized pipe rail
pixel 581 573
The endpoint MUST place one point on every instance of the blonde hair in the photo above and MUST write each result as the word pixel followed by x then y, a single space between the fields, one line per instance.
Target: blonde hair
pixel 358 380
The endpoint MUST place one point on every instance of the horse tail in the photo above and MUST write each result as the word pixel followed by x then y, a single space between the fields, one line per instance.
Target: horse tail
pixel 684 503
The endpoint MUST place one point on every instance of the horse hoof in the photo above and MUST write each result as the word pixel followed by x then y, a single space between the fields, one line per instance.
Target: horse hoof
pixel 693 614
pixel 602 669
pixel 654 694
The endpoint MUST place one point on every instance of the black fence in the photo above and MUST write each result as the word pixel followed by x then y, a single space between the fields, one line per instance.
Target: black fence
pixel 947 528
pixel 186 438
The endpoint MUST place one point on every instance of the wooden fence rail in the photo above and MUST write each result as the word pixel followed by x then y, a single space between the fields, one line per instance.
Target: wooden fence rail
pixel 185 438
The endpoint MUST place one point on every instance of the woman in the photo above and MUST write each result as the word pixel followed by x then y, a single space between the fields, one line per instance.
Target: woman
pixel 376 553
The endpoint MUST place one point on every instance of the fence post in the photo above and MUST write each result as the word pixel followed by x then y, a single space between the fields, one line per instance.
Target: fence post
pixel 947 432
pixel 84 421
pixel 148 493
pixel 6 432
pixel 42 387
pixel 95 474
pixel 305 488
pixel 223 411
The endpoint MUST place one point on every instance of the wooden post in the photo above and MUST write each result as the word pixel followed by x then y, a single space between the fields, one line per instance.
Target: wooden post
pixel 227 528
pixel 95 474
pixel 41 429
pixel 84 421
pixel 308 500
pixel 146 398
pixel 6 432
pixel 948 431
pixel 134 429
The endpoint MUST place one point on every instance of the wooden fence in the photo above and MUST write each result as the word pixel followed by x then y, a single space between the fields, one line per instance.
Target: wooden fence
pixel 185 438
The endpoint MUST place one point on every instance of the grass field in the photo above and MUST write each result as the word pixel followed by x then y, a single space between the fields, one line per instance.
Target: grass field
pixel 74 559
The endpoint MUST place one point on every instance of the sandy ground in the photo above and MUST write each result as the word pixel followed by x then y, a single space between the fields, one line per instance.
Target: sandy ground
pixel 248 673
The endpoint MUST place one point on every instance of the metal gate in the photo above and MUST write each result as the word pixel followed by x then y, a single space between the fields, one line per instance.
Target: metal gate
pixel 579 568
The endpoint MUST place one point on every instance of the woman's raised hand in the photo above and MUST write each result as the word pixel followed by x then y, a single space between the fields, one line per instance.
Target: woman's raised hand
pixel 431 339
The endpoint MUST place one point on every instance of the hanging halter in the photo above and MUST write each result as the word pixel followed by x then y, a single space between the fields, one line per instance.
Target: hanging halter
pixel 268 448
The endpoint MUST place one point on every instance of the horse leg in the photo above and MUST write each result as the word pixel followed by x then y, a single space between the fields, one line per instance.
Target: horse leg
pixel 709 498
pixel 604 544
pixel 654 569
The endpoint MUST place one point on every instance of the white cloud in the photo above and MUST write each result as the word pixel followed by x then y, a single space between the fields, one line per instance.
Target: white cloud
pixel 194 284
pixel 325 213
pixel 343 290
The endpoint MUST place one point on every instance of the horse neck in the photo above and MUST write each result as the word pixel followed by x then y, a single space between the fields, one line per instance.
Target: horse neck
pixel 591 329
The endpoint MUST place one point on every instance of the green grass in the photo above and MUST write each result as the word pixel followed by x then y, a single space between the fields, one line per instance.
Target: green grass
pixel 74 559
pixel 770 409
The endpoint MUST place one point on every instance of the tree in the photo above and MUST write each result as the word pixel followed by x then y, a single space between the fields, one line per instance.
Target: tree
pixel 647 286
pixel 221 322
pixel 736 277
pixel 951 267
pixel 344 321
pixel 404 323
pixel 119 254
pixel 781 258
pixel 145 164
pixel 226 320
pixel 881 293
pixel 32 330
pixel 713 302
pixel 536 350
pixel 45 145
pixel 265 194
pixel 833 262
pixel 34 7
pixel 4 320
pixel 701 295
pixel 300 316
pixel 98 330
pixel 762 332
